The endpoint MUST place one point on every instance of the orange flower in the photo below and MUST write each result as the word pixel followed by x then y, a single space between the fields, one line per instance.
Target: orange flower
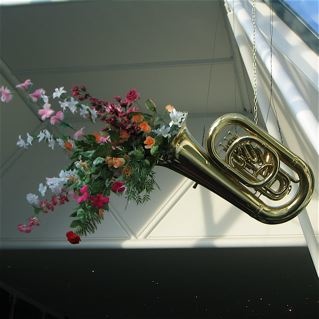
pixel 149 142
pixel 100 139
pixel 68 145
pixel 127 171
pixel 97 136
pixel 109 161
pixel 124 135
pixel 137 118
pixel 145 127
pixel 169 108
pixel 115 162
pixel 118 162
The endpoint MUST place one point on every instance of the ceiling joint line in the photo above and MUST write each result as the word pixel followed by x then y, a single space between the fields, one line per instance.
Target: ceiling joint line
pixel 164 210
pixel 13 81
pixel 124 66
pixel 123 224
pixel 15 156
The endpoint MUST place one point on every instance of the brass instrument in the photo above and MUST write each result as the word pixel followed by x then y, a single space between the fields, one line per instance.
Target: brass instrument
pixel 247 167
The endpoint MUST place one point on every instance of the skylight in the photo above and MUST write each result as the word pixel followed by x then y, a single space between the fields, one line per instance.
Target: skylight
pixel 307 11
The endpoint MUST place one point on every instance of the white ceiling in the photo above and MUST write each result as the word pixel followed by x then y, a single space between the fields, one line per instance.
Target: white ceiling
pixel 176 52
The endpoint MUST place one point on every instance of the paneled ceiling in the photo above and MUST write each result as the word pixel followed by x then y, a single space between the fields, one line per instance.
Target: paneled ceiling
pixel 176 52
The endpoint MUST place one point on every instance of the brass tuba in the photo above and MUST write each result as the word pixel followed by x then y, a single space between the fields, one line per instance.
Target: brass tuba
pixel 247 167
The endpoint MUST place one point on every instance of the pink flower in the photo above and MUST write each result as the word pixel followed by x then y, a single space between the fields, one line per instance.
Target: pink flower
pixel 118 187
pixel 78 134
pixel 25 85
pixel 84 194
pixel 57 118
pixel 5 94
pixel 46 111
pixel 46 206
pixel 132 96
pixel 33 221
pixel 37 94
pixel 24 228
pixel 99 200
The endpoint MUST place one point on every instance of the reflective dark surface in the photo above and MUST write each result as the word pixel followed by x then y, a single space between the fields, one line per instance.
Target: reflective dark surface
pixel 172 283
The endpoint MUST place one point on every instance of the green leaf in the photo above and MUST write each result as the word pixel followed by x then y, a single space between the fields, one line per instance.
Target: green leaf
pixel 137 154
pixel 74 214
pixel 150 105
pixel 75 223
pixel 154 149
pixel 106 173
pixel 98 161
pixel 88 154
pixel 97 186
pixel 36 210
pixel 80 213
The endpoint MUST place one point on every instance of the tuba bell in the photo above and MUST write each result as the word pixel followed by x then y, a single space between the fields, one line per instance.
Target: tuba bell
pixel 247 167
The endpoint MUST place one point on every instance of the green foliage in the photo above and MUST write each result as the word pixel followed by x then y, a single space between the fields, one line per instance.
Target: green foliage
pixel 150 105
pixel 141 182
pixel 86 220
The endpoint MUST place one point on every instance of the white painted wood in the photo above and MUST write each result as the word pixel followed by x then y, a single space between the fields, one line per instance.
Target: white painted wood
pixel 294 98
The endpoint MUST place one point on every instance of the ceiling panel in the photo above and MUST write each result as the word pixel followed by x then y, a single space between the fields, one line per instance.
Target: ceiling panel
pixel 111 32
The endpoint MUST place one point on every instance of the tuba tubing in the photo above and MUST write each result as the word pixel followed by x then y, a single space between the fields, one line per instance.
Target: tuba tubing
pixel 194 162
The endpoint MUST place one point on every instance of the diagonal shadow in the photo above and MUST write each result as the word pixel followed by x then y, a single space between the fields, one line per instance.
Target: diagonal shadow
pixel 208 215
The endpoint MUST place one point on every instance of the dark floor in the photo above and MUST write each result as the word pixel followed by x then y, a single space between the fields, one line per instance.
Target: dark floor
pixel 169 283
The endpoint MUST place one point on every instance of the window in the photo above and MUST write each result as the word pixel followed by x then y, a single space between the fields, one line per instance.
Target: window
pixel 302 16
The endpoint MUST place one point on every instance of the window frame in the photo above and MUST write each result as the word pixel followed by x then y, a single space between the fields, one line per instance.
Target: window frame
pixel 295 22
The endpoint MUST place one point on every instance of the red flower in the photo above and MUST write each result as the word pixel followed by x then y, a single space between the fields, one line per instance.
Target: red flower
pixel 118 187
pixel 99 200
pixel 72 237
pixel 132 96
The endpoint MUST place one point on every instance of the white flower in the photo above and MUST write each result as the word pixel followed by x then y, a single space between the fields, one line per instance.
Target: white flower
pixel 177 118
pixel 163 130
pixel 64 104
pixel 56 184
pixel 78 164
pixel 21 143
pixel 42 189
pixel 47 134
pixel 44 98
pixel 93 115
pixel 29 139
pixel 58 92
pixel 71 105
pixel 41 136
pixel 67 174
pixel 60 142
pixel 51 143
pixel 84 110
pixel 33 199
pixel 44 135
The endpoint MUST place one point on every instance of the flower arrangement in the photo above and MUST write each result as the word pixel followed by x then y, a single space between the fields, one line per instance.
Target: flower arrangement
pixel 119 158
